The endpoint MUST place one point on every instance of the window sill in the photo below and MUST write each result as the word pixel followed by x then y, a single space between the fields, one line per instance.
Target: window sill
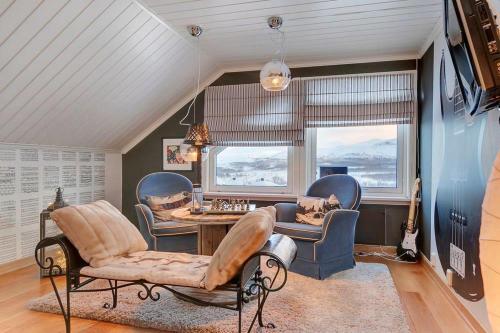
pixel 293 198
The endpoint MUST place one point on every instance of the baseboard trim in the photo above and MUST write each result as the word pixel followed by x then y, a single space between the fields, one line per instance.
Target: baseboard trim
pixel 391 250
pixel 471 321
pixel 16 264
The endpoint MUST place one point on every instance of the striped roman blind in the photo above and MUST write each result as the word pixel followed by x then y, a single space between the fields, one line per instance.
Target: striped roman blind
pixel 359 100
pixel 248 115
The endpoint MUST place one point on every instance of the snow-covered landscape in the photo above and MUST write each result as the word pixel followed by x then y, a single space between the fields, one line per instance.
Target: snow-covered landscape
pixel 252 166
pixel 369 153
pixel 373 163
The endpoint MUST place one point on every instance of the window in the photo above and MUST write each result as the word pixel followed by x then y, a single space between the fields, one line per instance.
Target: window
pixel 368 153
pixel 378 156
pixel 251 169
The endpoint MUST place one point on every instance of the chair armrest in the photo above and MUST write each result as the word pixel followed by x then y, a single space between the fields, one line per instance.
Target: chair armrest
pixel 338 231
pixel 339 216
pixel 145 218
pixel 279 252
pixel 285 211
pixel 74 261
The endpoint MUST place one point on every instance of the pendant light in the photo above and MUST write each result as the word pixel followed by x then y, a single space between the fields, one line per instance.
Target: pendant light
pixel 197 135
pixel 275 75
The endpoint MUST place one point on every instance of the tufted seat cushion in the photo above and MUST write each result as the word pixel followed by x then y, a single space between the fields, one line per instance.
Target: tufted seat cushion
pixel 162 228
pixel 298 230
pixel 181 269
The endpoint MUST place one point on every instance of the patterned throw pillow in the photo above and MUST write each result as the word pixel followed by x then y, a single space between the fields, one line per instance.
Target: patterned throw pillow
pixel 162 207
pixel 312 210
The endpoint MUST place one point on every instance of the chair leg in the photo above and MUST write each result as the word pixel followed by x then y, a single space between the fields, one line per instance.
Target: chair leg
pixel 114 293
pixel 65 312
pixel 67 317
pixel 239 301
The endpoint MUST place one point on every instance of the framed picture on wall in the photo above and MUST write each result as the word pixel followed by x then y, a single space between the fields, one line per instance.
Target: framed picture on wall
pixel 173 158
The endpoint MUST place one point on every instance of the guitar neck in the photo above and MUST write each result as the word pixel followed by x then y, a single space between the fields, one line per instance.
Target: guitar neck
pixel 411 213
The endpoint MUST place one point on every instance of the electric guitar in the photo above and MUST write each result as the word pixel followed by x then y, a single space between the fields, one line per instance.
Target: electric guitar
pixel 460 193
pixel 407 249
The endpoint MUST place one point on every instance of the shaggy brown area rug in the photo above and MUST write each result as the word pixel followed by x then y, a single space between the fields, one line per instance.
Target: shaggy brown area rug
pixel 363 299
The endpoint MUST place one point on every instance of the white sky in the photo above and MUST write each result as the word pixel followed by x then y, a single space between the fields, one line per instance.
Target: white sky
pixel 349 135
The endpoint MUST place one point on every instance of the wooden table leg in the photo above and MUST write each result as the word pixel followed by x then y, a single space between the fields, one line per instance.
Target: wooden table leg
pixel 209 238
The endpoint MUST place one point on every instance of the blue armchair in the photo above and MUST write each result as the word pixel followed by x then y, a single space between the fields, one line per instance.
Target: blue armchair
pixel 327 249
pixel 164 236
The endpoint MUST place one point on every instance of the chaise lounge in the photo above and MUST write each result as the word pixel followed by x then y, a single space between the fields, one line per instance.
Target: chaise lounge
pixel 99 243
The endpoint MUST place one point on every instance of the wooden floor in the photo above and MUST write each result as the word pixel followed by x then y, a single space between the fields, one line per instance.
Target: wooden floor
pixel 427 307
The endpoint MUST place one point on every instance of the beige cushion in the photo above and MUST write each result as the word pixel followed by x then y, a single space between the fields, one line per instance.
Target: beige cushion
pixel 162 207
pixel 312 210
pixel 245 238
pixel 99 232
pixel 180 269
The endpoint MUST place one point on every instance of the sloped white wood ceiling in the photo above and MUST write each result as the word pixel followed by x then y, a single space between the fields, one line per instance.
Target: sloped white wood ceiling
pixel 97 73
pixel 87 73
pixel 316 30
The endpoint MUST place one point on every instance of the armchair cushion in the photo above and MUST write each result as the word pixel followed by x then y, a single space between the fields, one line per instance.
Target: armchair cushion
pixel 245 238
pixel 99 231
pixel 298 230
pixel 166 228
pixel 162 206
pixel 285 211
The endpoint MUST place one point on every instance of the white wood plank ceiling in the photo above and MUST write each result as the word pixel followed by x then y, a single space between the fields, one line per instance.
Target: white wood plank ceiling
pixel 316 30
pixel 97 73
pixel 87 73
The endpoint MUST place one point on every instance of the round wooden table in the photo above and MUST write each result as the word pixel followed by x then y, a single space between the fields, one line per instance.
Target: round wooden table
pixel 212 228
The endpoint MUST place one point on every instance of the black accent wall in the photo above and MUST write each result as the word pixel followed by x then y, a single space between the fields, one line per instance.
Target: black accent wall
pixel 426 102
pixel 378 224
pixel 146 157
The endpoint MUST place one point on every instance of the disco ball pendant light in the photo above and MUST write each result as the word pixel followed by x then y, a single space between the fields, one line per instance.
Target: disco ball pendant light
pixel 275 75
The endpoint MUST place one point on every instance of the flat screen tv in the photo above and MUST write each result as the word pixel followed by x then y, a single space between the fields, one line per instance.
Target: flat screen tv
pixel 472 37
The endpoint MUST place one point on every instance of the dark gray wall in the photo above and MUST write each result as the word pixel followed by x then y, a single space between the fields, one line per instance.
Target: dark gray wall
pixel 146 157
pixel 426 101
pixel 378 224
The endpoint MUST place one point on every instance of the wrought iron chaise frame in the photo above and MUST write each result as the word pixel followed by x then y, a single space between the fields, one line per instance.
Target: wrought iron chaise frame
pixel 252 281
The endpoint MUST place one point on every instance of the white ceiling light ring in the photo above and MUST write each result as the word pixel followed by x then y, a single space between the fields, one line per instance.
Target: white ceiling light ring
pixel 275 75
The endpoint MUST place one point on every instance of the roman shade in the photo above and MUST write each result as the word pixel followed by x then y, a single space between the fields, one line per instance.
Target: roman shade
pixel 360 100
pixel 247 115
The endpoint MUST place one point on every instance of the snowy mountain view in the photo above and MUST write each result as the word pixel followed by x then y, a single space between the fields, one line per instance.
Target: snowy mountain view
pixel 369 153
pixel 252 166
pixel 373 163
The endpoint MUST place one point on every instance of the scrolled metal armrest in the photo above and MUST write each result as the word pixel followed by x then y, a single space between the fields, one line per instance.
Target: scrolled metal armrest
pixel 71 255
pixel 280 251
pixel 281 248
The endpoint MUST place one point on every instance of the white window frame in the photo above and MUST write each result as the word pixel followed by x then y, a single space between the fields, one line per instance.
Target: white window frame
pixel 302 169
pixel 406 137
pixel 213 187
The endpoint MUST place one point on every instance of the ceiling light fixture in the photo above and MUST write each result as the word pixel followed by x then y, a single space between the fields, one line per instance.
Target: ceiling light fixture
pixel 275 75
pixel 197 135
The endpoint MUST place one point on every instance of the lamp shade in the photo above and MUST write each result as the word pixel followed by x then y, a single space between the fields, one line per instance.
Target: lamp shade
pixel 198 135
pixel 275 76
pixel 489 246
